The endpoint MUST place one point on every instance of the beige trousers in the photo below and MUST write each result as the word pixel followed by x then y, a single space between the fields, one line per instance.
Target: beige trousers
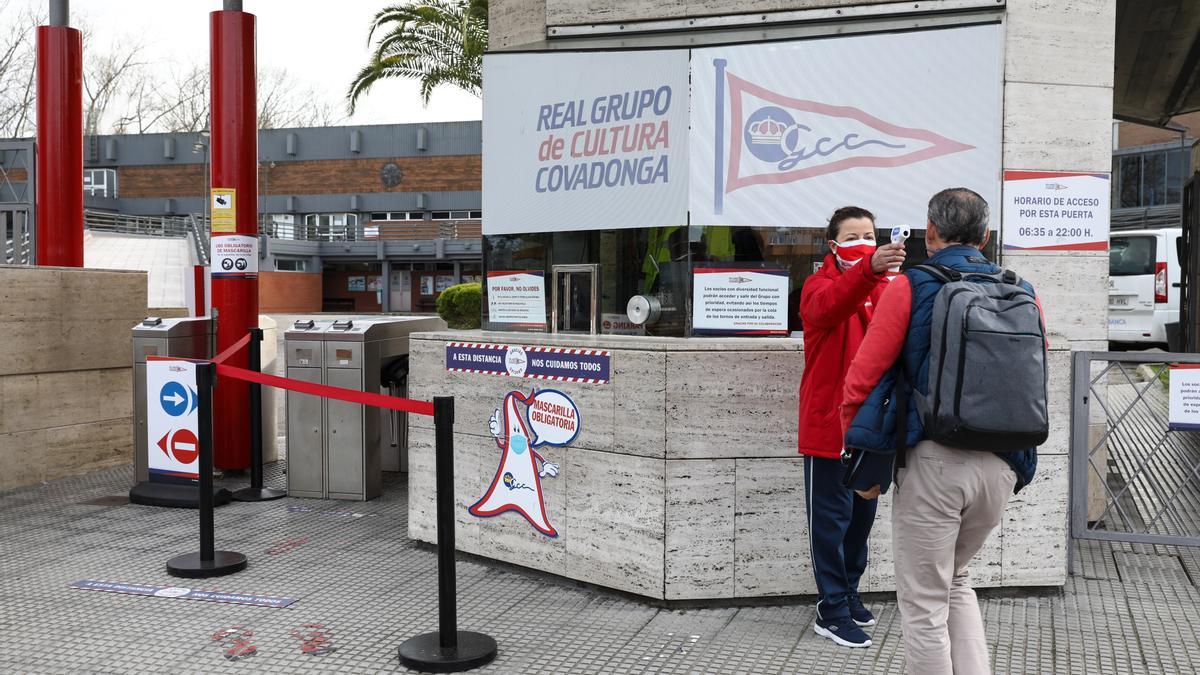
pixel 947 503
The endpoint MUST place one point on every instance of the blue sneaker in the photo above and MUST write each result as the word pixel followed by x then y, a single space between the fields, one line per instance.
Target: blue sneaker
pixel 843 631
pixel 859 612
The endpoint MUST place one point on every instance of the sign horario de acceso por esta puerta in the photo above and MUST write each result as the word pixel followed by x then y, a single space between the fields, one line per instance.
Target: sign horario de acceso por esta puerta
pixel 527 420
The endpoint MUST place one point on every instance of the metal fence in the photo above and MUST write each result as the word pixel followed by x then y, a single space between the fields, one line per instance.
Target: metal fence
pixel 1133 478
pixel 18 237
pixel 152 226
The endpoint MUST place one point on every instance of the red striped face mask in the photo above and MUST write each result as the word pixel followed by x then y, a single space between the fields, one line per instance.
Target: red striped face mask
pixel 848 253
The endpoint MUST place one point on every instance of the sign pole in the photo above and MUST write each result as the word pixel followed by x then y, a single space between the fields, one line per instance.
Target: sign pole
pixel 256 492
pixel 447 650
pixel 208 562
pixel 233 205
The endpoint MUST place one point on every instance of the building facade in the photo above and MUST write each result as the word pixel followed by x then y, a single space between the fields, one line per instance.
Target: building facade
pixel 1149 168
pixel 357 218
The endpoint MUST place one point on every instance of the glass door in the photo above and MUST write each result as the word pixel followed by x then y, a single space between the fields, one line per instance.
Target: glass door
pixel 574 298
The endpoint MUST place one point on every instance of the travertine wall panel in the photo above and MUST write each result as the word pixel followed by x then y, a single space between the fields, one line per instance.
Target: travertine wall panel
pixel 565 12
pixel 1059 56
pixel 726 521
pixel 1056 127
pixel 66 370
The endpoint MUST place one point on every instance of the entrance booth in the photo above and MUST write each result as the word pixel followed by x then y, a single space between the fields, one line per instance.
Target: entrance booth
pixel 655 197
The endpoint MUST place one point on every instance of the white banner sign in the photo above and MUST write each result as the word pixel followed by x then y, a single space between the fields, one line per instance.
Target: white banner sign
pixel 740 301
pixel 234 255
pixel 517 298
pixel 578 141
pixel 172 429
pixel 1056 211
pixel 783 134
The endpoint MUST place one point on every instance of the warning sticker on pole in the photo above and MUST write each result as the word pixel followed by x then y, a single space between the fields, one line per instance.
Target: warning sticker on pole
pixel 223 207
pixel 234 255
pixel 172 426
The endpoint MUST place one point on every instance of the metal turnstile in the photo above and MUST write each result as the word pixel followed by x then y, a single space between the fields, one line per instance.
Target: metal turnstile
pixel 338 450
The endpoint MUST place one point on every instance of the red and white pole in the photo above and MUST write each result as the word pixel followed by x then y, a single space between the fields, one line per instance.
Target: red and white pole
pixel 59 163
pixel 234 219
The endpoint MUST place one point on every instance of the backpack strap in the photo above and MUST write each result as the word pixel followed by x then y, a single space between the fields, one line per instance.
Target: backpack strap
pixel 942 273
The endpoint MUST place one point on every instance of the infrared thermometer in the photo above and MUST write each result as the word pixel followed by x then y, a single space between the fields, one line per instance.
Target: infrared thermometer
pixel 899 235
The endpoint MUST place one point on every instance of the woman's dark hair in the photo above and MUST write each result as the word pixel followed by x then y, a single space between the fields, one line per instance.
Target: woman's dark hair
pixel 842 214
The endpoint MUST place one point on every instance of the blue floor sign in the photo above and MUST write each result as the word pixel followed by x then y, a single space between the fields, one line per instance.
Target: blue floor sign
pixel 182 592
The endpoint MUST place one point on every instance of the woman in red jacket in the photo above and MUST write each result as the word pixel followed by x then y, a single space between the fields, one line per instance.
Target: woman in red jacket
pixel 836 305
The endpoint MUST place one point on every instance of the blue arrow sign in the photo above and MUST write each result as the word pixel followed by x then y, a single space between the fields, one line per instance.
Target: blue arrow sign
pixel 174 399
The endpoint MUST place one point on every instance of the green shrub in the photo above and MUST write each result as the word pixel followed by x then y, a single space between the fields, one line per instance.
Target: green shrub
pixel 460 305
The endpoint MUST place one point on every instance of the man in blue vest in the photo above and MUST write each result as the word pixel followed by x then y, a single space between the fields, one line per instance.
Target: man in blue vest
pixel 947 500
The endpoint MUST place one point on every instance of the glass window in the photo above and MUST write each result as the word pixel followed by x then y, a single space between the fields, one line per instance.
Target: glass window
pixel 1131 256
pixel 1154 179
pixel 460 215
pixel 1131 180
pixel 441 215
pixel 1114 182
pixel 381 216
pixel 476 214
pixel 1175 173
pixel 285 265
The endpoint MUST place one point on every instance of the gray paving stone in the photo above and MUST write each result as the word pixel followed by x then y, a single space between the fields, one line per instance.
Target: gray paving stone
pixel 363 585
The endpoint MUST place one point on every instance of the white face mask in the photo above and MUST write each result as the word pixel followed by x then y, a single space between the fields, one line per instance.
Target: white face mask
pixel 849 253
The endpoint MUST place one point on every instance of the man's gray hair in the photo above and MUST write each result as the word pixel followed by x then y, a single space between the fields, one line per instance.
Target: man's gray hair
pixel 960 216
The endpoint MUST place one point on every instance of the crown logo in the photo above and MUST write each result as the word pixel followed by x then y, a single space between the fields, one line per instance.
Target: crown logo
pixel 767 131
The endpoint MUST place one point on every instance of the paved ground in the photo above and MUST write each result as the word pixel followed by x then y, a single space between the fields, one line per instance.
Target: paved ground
pixel 362 588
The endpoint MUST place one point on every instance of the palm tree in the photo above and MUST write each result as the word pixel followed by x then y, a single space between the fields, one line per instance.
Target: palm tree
pixel 432 41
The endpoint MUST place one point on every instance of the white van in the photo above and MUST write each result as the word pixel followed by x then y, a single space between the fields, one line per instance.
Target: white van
pixel 1143 284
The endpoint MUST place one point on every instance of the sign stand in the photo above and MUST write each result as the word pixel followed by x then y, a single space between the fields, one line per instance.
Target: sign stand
pixel 207 562
pixel 446 650
pixel 170 403
pixel 256 492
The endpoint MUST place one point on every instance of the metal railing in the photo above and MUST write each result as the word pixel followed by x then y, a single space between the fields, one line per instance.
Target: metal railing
pixel 198 226
pixel 1133 478
pixel 153 226
pixel 376 230
pixel 19 250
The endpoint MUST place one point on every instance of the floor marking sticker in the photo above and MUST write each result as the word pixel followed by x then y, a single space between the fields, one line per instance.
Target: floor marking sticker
pixel 315 639
pixel 235 643
pixel 256 599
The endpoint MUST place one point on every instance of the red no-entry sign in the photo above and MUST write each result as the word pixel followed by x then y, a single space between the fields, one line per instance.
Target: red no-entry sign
pixel 180 445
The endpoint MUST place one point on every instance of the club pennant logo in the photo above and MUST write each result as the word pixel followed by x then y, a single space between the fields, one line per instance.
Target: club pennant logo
pixel 775 139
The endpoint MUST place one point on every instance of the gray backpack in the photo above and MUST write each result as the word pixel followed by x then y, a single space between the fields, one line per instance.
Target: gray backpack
pixel 987 364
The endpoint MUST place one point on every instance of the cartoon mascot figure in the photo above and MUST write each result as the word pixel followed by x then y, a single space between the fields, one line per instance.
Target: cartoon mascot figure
pixel 517 485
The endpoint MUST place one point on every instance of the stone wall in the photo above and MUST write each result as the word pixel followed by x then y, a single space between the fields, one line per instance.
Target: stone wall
pixel 66 380
pixel 684 482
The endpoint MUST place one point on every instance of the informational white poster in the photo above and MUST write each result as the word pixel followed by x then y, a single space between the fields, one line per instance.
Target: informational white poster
pixel 1056 211
pixel 577 141
pixel 784 133
pixel 743 301
pixel 517 298
pixel 172 428
pixel 234 255
pixel 1184 398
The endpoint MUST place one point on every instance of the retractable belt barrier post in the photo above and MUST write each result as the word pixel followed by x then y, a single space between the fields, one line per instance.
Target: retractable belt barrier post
pixel 256 492
pixel 208 562
pixel 447 650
